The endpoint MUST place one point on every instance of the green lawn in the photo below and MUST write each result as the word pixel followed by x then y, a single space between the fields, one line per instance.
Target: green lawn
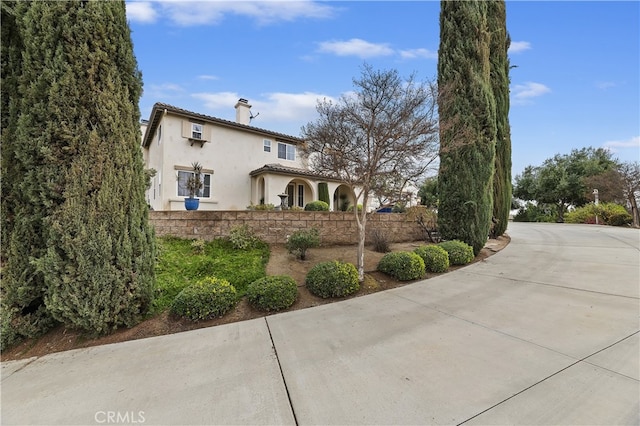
pixel 179 265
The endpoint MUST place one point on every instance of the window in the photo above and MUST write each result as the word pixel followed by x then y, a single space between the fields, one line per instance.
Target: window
pixel 183 177
pixel 266 145
pixel 196 131
pixel 159 134
pixel 286 151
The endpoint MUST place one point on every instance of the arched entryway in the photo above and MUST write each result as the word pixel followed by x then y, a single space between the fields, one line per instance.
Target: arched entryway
pixel 299 192
pixel 261 191
pixel 342 198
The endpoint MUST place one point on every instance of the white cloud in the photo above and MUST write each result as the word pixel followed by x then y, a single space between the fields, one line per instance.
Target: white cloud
pixel 418 53
pixel 604 85
pixel 163 91
pixel 522 93
pixel 208 77
pixel 356 47
pixel 141 12
pixel 278 111
pixel 519 46
pixel 614 146
pixel 298 107
pixel 189 13
pixel 223 101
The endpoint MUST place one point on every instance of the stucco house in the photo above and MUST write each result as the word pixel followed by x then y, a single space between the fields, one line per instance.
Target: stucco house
pixel 243 165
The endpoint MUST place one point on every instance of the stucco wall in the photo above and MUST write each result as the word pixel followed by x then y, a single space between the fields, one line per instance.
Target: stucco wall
pixel 274 226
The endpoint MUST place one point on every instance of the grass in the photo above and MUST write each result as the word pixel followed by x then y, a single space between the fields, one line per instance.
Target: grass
pixel 179 265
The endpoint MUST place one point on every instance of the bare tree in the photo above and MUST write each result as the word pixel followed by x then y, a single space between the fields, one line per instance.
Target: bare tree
pixel 630 174
pixel 381 137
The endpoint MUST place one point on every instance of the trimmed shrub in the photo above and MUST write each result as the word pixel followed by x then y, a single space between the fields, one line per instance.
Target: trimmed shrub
pixel 332 279
pixel 208 298
pixel 350 208
pixel 317 206
pixel 403 265
pixel 272 293
pixel 460 253
pixel 436 259
pixel 300 241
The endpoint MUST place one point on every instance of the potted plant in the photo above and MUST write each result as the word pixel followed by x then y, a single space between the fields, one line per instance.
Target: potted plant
pixel 194 185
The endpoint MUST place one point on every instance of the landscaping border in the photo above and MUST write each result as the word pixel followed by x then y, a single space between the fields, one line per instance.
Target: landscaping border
pixel 275 226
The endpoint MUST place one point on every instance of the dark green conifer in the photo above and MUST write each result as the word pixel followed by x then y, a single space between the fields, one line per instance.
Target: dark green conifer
pixel 84 184
pixel 500 41
pixel 25 133
pixel 467 123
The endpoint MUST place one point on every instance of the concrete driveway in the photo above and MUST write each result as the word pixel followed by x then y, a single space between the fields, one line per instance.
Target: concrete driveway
pixel 544 332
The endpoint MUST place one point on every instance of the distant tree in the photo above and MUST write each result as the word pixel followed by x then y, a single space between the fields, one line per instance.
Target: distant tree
pixel 609 185
pixel 81 244
pixel 499 45
pixel 428 192
pixel 385 132
pixel 561 180
pixel 467 112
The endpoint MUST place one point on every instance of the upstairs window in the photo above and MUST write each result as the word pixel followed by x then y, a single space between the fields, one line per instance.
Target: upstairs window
pixel 196 131
pixel 266 143
pixel 286 151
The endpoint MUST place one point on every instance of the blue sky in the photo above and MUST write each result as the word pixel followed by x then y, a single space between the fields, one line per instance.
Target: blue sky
pixel 575 81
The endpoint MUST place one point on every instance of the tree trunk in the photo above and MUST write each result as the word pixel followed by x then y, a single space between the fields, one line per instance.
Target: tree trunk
pixel 561 212
pixel 361 240
pixel 362 227
pixel 634 210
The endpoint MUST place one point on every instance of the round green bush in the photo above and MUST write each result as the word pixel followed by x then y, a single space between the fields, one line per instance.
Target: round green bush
pixel 272 293
pixel 460 253
pixel 403 265
pixel 317 206
pixel 208 298
pixel 332 279
pixel 436 259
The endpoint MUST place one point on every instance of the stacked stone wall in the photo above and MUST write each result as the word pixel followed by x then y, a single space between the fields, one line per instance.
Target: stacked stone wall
pixel 336 228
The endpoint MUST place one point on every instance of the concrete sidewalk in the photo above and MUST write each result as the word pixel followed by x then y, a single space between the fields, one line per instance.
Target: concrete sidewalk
pixel 544 332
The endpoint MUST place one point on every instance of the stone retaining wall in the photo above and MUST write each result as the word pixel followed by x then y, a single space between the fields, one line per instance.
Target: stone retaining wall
pixel 274 226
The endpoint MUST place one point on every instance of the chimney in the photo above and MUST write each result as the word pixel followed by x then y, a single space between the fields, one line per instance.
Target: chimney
pixel 243 113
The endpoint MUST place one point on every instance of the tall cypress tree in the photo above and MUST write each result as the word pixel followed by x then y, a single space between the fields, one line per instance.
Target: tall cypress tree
pixel 25 135
pixel 467 123
pixel 79 126
pixel 500 41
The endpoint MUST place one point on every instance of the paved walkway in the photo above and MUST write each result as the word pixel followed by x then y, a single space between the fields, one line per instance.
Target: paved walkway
pixel 544 332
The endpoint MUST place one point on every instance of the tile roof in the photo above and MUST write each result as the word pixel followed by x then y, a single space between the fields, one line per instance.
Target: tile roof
pixel 279 168
pixel 159 108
